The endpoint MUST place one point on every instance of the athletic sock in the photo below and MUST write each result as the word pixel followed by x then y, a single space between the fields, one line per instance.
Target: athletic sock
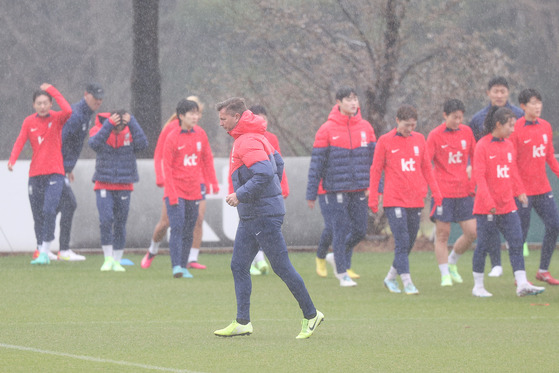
pixel 243 321
pixel 45 247
pixel 392 274
pixel 444 269
pixel 117 255
pixel 259 256
pixel 478 280
pixel 154 247
pixel 406 279
pixel 543 270
pixel 453 257
pixel 520 277
pixel 193 256
pixel 107 250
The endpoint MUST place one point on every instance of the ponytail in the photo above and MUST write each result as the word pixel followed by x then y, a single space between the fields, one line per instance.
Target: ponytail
pixel 496 115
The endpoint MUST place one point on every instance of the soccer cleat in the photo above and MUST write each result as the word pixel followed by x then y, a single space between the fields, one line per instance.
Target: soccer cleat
pixel 392 286
pixel 309 326
pixel 117 267
pixel 263 267
pixel 146 260
pixel 70 256
pixel 453 270
pixel 410 289
pixel 235 329
pixel 346 281
pixel 352 274
pixel 496 271
pixel 321 269
pixel 546 277
pixel 446 280
pixel 177 272
pixel 107 264
pixel 525 249
pixel 195 265
pixel 254 271
pixel 42 259
pixel 529 289
pixel 481 292
pixel 330 259
pixel 185 273
pixel 52 256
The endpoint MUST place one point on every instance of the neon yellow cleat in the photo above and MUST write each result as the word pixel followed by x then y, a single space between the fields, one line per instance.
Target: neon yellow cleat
pixel 234 330
pixel 321 269
pixel 309 326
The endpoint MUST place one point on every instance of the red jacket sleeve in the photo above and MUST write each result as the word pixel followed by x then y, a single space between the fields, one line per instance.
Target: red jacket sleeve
pixel 20 143
pixel 158 154
pixel 427 169
pixel 66 110
pixel 479 170
pixel 208 168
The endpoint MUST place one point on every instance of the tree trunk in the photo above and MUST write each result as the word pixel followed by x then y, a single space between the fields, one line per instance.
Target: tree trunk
pixel 146 78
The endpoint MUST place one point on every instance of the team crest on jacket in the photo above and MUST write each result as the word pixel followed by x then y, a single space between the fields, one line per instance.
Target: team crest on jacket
pixel 199 146
pixel 50 124
pixel 509 157
pixel 127 139
pixel 463 142
pixel 416 150
pixel 545 138
pixel 364 142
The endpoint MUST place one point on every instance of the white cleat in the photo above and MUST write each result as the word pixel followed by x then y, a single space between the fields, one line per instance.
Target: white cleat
pixel 529 289
pixel 346 281
pixel 330 259
pixel 481 292
pixel 496 271
pixel 52 256
pixel 70 256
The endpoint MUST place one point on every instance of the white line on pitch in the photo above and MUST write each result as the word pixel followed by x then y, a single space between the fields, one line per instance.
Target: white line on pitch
pixel 95 359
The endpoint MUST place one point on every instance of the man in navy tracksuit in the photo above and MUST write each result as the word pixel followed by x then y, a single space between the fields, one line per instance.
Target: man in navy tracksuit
pixel 73 135
pixel 256 170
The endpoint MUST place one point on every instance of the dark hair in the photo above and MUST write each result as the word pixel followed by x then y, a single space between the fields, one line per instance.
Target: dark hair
pixel 497 114
pixel 527 94
pixel 120 113
pixel 498 80
pixel 40 92
pixel 233 105
pixel 452 105
pixel 406 112
pixel 258 109
pixel 344 92
pixel 184 106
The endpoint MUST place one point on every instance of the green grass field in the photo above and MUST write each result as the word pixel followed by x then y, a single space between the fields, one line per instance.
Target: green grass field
pixel 70 317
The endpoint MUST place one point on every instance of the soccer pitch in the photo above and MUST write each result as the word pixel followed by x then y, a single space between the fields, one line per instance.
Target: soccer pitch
pixel 70 317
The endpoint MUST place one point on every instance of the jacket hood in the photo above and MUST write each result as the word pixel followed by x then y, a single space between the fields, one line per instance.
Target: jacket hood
pixel 337 117
pixel 249 123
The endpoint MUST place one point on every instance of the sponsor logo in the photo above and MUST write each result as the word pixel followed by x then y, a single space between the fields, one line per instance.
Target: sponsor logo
pixel 538 151
pixel 492 156
pixel 33 129
pixel 527 141
pixel 335 137
pixel 502 172
pixel 124 198
pixel 40 139
pixel 444 146
pixel 190 160
pixel 52 182
pixel 181 147
pixel 408 165
pixel 455 158
pixel 394 150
